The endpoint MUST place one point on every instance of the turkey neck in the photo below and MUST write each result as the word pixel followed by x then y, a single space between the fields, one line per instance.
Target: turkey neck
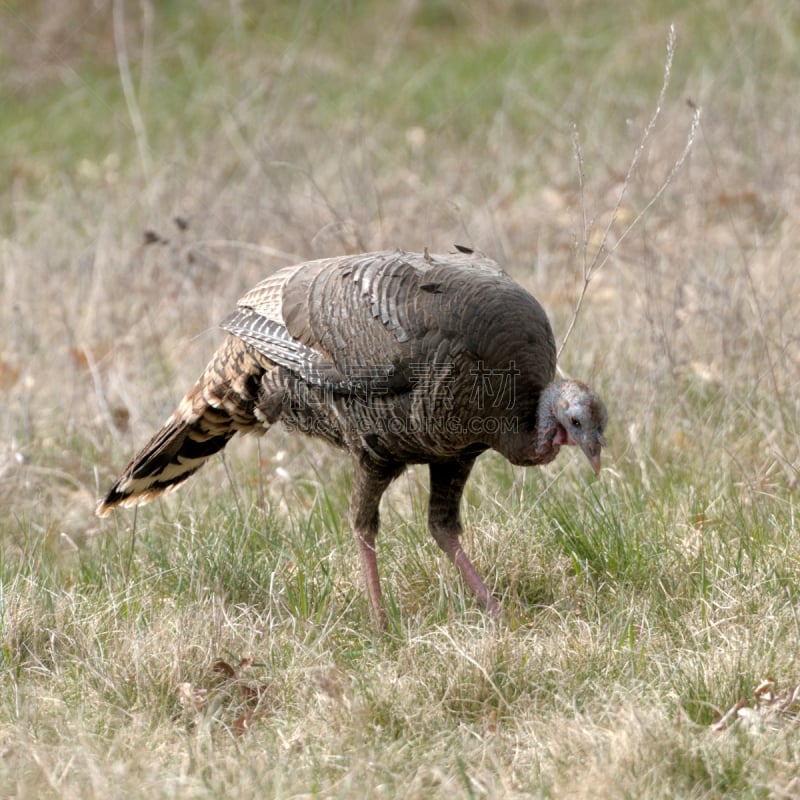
pixel 528 448
pixel 547 424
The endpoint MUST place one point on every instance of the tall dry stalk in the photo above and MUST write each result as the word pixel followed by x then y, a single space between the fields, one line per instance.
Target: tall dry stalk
pixel 604 252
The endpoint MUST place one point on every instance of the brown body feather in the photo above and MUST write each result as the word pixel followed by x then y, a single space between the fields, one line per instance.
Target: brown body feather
pixel 395 357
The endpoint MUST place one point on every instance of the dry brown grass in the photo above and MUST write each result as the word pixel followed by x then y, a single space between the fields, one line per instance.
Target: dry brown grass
pixel 640 607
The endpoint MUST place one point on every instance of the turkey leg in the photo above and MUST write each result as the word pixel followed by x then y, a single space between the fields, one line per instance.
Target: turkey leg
pixel 448 479
pixel 368 488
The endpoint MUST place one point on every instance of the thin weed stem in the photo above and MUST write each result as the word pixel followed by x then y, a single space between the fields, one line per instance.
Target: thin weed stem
pixel 604 252
pixel 131 102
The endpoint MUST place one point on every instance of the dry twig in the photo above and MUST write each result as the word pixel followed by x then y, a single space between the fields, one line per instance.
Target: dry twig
pixel 604 252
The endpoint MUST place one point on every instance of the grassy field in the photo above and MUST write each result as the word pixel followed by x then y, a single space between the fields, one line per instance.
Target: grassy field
pixel 160 158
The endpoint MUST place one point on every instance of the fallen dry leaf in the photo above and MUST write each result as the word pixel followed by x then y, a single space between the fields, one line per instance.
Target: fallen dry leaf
pixel 193 701
pixel 770 708
pixel 221 667
pixel 245 721
pixel 227 691
pixel 9 375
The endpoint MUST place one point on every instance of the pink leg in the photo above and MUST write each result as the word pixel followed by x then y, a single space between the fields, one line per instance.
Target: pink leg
pixel 369 568
pixel 448 541
pixel 447 486
pixel 368 487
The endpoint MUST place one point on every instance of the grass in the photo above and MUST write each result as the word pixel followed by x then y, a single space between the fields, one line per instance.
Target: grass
pixel 226 648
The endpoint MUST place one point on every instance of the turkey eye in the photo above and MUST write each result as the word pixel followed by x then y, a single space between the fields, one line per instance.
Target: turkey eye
pixel 576 423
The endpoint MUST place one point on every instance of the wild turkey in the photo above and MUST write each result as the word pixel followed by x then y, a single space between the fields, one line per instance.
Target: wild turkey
pixel 397 358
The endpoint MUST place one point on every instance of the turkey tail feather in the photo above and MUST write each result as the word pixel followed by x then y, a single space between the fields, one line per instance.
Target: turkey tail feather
pixel 175 453
pixel 221 404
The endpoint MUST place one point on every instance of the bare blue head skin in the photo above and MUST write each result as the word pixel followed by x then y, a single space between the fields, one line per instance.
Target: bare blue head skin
pixel 570 413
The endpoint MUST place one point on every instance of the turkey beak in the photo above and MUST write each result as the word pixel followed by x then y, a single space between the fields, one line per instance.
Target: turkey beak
pixel 591 448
